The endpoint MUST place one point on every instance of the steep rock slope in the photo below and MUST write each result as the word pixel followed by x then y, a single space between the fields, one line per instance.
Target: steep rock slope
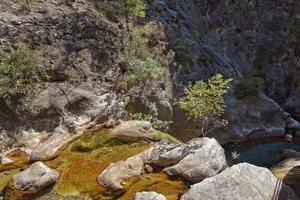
pixel 81 50
pixel 249 40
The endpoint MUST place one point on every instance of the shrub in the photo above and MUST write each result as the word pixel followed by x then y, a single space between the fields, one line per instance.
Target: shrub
pixel 144 72
pixel 152 117
pixel 205 102
pixel 21 74
pixel 138 45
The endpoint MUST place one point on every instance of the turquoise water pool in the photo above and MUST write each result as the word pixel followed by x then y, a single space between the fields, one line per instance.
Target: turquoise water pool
pixel 265 154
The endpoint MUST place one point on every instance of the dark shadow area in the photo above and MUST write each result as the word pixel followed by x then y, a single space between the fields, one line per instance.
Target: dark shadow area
pixel 293 179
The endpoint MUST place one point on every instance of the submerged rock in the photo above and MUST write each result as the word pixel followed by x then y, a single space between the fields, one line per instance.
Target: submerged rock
pixel 289 172
pixel 290 153
pixel 37 177
pixel 148 196
pixel 115 174
pixel 242 181
pixel 205 158
pixel 133 131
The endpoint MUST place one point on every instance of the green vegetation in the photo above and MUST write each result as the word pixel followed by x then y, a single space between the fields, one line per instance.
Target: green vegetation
pixel 249 86
pixel 142 67
pixel 152 117
pixel 21 74
pixel 165 136
pixel 144 72
pixel 205 102
pixel 135 7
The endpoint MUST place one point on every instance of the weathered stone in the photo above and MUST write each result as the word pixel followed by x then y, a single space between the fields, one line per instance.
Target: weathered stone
pixel 242 181
pixel 148 196
pixel 115 174
pixel 164 155
pixel 37 177
pixel 205 158
pixel 133 131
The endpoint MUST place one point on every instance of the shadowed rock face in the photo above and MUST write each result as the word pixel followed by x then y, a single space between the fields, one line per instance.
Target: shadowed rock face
pixel 242 181
pixel 289 172
pixel 234 38
pixel 83 46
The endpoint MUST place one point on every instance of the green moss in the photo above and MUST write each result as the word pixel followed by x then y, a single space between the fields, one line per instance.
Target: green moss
pixel 165 136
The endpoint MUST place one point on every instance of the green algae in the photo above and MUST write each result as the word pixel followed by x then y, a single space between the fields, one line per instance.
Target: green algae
pixel 85 158
pixel 159 136
pixel 6 176
pixel 171 187
pixel 19 158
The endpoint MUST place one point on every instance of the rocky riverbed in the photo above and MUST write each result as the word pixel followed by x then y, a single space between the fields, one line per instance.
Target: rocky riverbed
pixel 99 165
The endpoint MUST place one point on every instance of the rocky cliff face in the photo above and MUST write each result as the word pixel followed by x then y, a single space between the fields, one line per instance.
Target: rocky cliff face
pixel 81 50
pixel 83 57
pixel 239 39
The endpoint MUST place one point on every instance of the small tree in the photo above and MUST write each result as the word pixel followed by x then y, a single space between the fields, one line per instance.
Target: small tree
pixel 205 102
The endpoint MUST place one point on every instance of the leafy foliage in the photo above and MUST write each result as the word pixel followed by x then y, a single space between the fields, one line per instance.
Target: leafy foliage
pixel 136 7
pixel 152 117
pixel 21 74
pixel 205 102
pixel 142 67
pixel 144 72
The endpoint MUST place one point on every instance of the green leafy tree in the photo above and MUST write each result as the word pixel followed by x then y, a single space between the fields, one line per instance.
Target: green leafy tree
pixel 205 102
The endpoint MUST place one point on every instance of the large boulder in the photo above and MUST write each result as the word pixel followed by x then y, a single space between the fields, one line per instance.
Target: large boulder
pixel 133 131
pixel 61 114
pixel 289 172
pixel 205 158
pixel 148 196
pixel 164 155
pixel 36 178
pixel 242 181
pixel 115 175
pixel 253 116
